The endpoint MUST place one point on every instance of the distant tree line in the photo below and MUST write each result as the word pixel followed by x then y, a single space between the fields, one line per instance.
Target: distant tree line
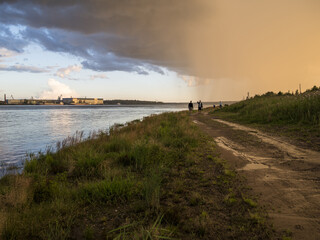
pixel 130 102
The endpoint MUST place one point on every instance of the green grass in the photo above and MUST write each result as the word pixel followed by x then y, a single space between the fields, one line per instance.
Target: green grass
pixel 278 108
pixel 146 180
pixel 107 191
pixel 296 116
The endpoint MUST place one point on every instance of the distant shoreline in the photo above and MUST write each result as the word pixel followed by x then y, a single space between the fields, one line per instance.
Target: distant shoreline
pixel 116 103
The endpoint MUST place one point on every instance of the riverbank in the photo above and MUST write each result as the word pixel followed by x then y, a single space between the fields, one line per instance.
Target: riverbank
pixel 159 178
pixel 293 116
pixel 30 129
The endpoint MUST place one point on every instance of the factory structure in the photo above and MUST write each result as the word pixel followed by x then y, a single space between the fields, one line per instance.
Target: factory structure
pixel 82 101
pixel 59 101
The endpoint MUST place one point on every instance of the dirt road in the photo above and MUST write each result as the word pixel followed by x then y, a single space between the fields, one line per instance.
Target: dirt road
pixel 286 177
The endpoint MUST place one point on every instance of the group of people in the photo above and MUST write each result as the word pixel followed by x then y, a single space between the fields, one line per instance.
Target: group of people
pixel 220 105
pixel 200 105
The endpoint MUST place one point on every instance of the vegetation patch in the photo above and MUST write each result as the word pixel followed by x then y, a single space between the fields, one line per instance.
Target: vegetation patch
pixel 156 179
pixel 296 116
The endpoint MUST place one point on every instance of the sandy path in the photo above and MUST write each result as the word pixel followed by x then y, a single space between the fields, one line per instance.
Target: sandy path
pixel 286 177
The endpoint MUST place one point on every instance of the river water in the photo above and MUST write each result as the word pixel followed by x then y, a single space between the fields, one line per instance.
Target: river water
pixel 30 129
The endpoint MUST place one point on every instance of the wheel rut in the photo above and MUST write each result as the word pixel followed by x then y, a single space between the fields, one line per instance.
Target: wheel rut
pixel 285 176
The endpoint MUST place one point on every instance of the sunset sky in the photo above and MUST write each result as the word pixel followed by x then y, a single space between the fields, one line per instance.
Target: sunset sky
pixel 163 50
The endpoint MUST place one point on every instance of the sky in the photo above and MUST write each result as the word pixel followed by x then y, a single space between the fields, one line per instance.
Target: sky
pixel 168 50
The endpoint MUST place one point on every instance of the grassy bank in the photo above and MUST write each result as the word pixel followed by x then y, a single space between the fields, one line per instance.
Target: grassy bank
pixel 294 115
pixel 155 179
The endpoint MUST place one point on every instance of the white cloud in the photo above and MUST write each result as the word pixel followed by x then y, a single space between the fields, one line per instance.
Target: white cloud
pixel 63 72
pixel 56 89
pixel 193 81
pixel 102 76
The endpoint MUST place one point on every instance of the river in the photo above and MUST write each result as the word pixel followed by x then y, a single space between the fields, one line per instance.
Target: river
pixel 29 129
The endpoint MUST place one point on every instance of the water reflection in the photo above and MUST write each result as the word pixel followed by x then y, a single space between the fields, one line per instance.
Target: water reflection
pixel 59 121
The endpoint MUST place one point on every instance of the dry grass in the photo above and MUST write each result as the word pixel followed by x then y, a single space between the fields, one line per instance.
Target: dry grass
pixel 18 192
pixel 15 197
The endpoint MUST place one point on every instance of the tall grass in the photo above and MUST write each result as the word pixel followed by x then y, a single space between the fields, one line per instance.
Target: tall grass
pixel 278 108
pixel 107 191
pixel 123 166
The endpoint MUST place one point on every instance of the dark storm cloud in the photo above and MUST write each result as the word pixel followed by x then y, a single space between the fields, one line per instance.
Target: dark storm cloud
pixel 265 44
pixel 93 48
pixel 10 40
pixel 139 34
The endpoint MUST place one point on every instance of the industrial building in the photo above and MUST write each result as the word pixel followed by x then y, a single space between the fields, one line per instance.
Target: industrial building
pixel 32 102
pixel 59 101
pixel 82 101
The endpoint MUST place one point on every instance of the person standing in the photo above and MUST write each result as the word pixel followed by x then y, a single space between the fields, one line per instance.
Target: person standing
pixel 190 106
pixel 200 106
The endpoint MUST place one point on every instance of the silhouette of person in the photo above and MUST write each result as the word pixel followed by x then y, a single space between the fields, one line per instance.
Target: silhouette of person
pixel 200 106
pixel 190 106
